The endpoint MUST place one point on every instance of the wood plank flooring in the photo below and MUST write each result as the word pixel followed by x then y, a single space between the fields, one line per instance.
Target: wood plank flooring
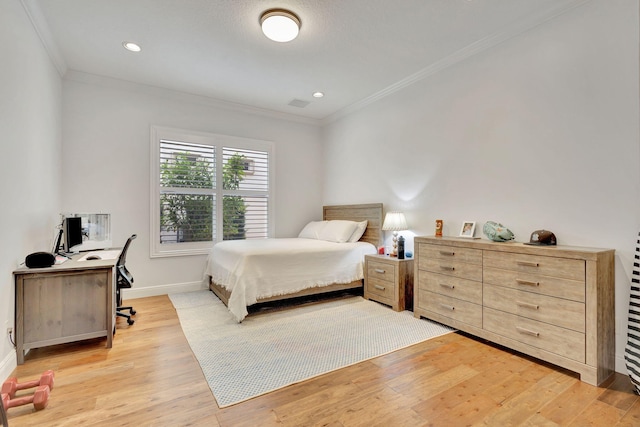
pixel 151 378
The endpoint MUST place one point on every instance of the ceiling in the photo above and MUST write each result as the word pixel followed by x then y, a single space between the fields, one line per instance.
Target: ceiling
pixel 354 51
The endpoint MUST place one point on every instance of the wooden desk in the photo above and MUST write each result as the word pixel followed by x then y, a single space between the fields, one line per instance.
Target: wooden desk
pixel 68 302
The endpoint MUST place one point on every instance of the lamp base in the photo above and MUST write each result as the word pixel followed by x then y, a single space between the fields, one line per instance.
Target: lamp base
pixel 394 252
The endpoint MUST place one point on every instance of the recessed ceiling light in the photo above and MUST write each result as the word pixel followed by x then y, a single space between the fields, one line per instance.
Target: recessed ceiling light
pixel 131 46
pixel 280 25
pixel 318 94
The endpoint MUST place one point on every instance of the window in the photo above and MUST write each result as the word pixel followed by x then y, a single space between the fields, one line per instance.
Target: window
pixel 207 188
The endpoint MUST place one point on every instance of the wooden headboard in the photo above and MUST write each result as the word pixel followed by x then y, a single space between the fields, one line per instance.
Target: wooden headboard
pixel 372 212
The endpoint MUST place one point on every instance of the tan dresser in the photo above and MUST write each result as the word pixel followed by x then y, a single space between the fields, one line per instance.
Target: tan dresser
pixel 389 280
pixel 555 303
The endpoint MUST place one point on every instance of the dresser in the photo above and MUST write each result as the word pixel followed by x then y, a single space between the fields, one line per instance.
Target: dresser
pixel 555 303
pixel 389 280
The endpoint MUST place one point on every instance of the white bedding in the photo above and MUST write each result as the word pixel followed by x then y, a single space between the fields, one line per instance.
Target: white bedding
pixel 253 269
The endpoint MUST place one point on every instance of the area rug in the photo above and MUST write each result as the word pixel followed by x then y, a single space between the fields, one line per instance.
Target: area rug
pixel 271 350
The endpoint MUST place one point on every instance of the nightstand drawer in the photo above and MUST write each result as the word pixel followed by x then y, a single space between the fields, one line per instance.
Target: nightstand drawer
pixel 381 288
pixel 381 271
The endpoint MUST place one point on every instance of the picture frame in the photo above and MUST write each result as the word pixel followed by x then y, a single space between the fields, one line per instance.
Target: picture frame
pixel 468 229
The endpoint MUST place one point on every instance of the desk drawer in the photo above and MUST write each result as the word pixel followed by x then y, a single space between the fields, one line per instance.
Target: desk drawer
pixel 547 337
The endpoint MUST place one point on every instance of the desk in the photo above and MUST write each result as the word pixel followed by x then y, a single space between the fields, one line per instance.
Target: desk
pixel 67 302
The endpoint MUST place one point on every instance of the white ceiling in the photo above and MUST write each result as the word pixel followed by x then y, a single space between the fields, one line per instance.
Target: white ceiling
pixel 352 50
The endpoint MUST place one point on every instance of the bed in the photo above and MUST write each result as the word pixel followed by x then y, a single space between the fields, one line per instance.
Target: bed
pixel 245 272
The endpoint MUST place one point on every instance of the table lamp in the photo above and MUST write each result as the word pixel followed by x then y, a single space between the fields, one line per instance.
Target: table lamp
pixel 394 221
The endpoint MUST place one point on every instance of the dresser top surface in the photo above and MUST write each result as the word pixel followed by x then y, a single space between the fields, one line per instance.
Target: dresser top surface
pixel 517 247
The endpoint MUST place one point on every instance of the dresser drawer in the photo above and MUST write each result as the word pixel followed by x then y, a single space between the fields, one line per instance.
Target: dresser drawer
pixel 467 290
pixel 556 311
pixel 381 271
pixel 453 308
pixel 573 269
pixel 554 286
pixel 452 268
pixel 381 288
pixel 544 336
pixel 471 256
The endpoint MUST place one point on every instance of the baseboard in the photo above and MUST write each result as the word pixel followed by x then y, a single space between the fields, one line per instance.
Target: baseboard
pixel 8 364
pixel 152 291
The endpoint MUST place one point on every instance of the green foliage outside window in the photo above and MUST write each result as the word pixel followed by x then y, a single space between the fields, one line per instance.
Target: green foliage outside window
pixel 190 216
pixel 233 220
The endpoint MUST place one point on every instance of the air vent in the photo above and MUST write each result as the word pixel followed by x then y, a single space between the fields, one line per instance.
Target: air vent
pixel 299 103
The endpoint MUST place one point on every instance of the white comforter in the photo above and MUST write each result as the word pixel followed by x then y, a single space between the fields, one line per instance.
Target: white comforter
pixel 253 269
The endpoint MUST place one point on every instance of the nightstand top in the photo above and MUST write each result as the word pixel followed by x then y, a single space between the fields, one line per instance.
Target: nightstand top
pixel 388 258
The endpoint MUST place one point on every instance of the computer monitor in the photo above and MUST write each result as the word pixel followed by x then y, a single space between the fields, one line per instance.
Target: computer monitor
pixel 72 231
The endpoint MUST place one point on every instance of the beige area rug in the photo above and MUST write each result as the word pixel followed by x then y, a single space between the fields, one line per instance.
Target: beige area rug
pixel 271 350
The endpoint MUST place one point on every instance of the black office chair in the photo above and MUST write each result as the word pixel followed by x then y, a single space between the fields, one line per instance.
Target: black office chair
pixel 124 280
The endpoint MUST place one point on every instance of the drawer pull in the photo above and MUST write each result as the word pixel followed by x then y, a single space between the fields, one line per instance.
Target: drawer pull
pixel 528 305
pixel 528 264
pixel 448 307
pixel 446 253
pixel 380 271
pixel 527 332
pixel 381 288
pixel 527 282
pixel 446 285
pixel 444 267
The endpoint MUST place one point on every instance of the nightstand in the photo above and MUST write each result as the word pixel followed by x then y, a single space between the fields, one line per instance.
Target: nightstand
pixel 389 280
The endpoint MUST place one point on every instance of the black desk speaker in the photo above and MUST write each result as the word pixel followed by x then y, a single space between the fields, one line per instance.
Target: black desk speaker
pixel 40 260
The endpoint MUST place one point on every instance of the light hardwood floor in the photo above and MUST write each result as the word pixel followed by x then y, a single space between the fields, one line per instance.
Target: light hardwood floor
pixel 151 378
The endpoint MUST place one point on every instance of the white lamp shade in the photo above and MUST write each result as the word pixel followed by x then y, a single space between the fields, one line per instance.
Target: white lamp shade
pixel 280 25
pixel 394 221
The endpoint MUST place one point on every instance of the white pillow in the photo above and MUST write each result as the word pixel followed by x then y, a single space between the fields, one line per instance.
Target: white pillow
pixel 312 230
pixel 337 230
pixel 359 231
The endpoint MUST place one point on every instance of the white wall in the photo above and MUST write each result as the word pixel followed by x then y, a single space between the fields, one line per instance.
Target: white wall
pixel 30 125
pixel 106 161
pixel 541 131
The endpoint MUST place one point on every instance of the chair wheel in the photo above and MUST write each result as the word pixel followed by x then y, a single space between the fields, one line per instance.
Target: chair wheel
pixel 132 311
pixel 131 321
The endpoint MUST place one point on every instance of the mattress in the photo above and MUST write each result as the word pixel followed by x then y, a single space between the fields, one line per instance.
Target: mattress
pixel 265 268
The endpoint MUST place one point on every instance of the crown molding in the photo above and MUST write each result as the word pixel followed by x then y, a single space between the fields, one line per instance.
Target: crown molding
pixel 125 85
pixel 520 27
pixel 44 33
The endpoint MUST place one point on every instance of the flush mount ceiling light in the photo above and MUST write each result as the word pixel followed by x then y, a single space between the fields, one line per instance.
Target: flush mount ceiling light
pixel 318 94
pixel 280 25
pixel 131 46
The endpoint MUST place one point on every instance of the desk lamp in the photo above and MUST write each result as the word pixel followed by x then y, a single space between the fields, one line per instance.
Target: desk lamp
pixel 394 221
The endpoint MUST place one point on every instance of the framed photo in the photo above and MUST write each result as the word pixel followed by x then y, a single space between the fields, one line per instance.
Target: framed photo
pixel 468 229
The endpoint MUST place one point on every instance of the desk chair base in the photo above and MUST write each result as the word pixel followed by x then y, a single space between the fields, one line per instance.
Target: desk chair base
pixel 120 312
